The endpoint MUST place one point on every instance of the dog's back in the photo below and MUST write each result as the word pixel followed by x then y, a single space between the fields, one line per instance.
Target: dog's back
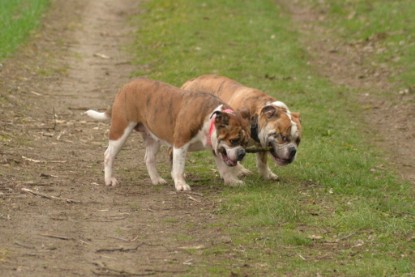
pixel 231 92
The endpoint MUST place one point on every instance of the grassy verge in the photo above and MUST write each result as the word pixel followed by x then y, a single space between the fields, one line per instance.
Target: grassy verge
pixel 386 27
pixel 17 19
pixel 337 210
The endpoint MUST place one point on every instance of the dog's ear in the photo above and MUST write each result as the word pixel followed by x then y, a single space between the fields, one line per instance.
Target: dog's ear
pixel 245 113
pixel 221 119
pixel 296 116
pixel 270 111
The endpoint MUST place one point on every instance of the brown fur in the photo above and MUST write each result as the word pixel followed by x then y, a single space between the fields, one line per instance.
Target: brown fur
pixel 164 110
pixel 239 96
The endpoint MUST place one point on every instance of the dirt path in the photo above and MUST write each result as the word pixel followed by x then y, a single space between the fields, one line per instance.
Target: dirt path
pixel 80 227
pixel 73 225
pixel 390 111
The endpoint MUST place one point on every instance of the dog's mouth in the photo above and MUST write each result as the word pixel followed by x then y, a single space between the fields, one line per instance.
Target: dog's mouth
pixel 280 161
pixel 228 161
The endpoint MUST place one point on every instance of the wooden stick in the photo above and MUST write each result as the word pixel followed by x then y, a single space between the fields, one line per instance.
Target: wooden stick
pixel 194 199
pixel 56 237
pixel 256 150
pixel 120 249
pixel 67 200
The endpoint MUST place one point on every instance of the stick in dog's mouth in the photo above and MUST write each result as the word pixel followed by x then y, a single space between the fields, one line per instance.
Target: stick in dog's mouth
pixel 257 150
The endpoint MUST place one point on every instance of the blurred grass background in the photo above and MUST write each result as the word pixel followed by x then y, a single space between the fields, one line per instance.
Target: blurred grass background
pixel 17 19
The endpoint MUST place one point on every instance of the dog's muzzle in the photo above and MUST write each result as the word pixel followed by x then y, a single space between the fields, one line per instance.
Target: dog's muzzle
pixel 283 154
pixel 231 156
pixel 291 152
pixel 240 154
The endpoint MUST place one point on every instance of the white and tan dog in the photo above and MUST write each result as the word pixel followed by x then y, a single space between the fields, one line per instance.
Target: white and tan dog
pixel 272 123
pixel 188 121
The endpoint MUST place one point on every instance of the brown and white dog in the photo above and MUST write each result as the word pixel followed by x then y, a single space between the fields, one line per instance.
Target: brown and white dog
pixel 188 121
pixel 272 123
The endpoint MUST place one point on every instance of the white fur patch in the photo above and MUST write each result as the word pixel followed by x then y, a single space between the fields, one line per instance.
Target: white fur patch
pixel 218 108
pixel 201 140
pixel 97 115
pixel 281 105
pixel 294 129
pixel 114 146
pixel 284 106
pixel 177 173
pixel 293 124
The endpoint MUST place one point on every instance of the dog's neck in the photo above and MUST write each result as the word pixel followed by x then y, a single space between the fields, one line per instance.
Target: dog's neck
pixel 212 124
pixel 254 128
pixel 211 129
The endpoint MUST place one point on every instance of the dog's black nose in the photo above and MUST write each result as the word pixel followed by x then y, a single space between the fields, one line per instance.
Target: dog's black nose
pixel 292 152
pixel 240 154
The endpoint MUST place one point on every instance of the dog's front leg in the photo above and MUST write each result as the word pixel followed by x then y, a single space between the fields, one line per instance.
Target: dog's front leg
pixel 264 171
pixel 229 174
pixel 242 171
pixel 177 173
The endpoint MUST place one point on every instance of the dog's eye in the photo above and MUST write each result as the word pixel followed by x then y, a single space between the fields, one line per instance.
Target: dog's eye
pixel 297 141
pixel 235 142
pixel 284 138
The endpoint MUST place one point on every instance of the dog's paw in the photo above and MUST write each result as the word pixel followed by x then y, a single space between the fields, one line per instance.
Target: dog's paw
pixel 182 186
pixel 234 182
pixel 159 181
pixel 242 172
pixel 111 182
pixel 271 176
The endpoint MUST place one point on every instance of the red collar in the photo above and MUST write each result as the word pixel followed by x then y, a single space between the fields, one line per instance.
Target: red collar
pixel 212 124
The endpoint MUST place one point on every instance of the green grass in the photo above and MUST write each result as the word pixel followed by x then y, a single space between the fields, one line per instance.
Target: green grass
pixel 339 209
pixel 17 19
pixel 387 25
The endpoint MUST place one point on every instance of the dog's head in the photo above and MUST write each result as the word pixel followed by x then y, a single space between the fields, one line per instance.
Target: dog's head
pixel 280 130
pixel 231 135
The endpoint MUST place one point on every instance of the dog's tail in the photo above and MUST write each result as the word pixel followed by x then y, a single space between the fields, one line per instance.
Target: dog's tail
pixel 104 116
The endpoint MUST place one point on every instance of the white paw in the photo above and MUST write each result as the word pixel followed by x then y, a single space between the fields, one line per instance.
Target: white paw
pixel 271 176
pixel 182 186
pixel 234 182
pixel 244 172
pixel 111 182
pixel 159 181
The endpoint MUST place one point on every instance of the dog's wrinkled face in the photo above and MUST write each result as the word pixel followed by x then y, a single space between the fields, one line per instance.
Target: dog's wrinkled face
pixel 232 136
pixel 281 131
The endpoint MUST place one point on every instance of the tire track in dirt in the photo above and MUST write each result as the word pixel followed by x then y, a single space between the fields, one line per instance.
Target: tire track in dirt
pixel 48 146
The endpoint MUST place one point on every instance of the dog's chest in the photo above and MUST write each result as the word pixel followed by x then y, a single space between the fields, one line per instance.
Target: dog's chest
pixel 201 140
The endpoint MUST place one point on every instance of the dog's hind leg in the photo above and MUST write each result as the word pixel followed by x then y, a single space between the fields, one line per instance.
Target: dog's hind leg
pixel 264 171
pixel 152 147
pixel 114 146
